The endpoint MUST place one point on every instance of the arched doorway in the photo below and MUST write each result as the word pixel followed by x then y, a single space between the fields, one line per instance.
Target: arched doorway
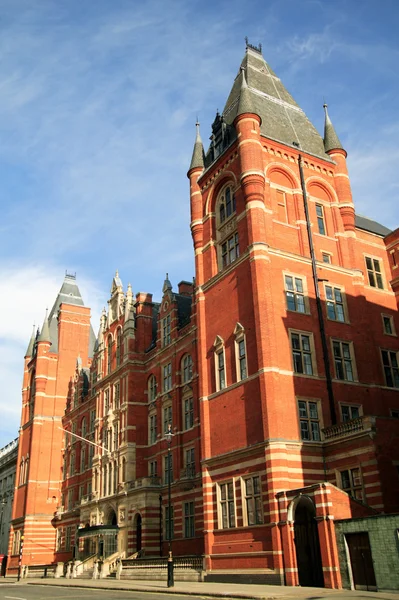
pixel 138 525
pixel 307 544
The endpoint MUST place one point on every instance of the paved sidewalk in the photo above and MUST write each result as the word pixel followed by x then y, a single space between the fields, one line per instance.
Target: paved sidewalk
pixel 218 590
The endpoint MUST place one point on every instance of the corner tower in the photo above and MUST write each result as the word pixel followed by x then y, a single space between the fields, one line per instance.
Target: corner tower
pixel 49 366
pixel 278 290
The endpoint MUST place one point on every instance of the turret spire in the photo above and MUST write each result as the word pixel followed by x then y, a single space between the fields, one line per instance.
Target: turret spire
pixel 45 332
pixel 29 351
pixel 197 160
pixel 331 140
pixel 167 286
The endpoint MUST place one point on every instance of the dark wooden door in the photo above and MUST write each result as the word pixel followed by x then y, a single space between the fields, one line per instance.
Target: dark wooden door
pixel 307 545
pixel 361 561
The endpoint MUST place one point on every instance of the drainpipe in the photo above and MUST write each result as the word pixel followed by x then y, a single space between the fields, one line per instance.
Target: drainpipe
pixel 326 358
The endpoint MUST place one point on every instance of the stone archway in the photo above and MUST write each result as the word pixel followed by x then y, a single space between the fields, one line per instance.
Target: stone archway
pixel 307 544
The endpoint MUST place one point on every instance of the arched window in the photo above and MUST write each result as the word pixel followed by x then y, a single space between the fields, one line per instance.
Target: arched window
pixel 119 347
pixel 240 352
pixel 83 427
pixel 227 235
pixel 109 354
pixel 220 364
pixel 187 368
pixel 152 388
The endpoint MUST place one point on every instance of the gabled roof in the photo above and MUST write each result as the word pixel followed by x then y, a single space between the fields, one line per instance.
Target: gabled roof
pixel 372 226
pixel 282 119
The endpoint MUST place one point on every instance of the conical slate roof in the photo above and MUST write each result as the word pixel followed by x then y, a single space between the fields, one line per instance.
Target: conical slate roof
pixel 197 159
pixel 282 119
pixel 31 345
pixel 331 140
pixel 45 332
pixel 68 294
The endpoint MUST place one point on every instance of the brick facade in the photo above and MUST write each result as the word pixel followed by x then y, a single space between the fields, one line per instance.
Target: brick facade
pixel 276 371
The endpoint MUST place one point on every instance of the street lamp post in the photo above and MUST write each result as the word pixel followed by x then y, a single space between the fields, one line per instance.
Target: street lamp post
pixel 171 581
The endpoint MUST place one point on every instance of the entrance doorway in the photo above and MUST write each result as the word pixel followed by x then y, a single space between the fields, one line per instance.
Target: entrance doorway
pixel 138 532
pixel 307 544
pixel 361 561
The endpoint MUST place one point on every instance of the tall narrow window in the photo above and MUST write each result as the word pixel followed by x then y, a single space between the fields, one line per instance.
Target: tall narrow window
pixel 117 395
pixel 167 418
pixel 227 204
pixel 154 468
pixel 152 388
pixel 374 272
pixel 153 429
pixel 119 349
pixel 228 246
pixel 309 420
pixel 188 413
pixel 187 368
pixel 190 462
pixel 167 377
pixel 109 355
pixel 189 519
pixel 230 250
pixel 253 500
pixel 227 505
pixel 281 206
pixel 388 325
pixel 166 331
pixel 302 353
pixel 220 371
pixel 335 304
pixel 169 523
pixel 168 468
pixel 294 293
pixel 106 402
pixel 391 368
pixel 320 219
pixel 343 360
pixel 241 352
pixel 84 427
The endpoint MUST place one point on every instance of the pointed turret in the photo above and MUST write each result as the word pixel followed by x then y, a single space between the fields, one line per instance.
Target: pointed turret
pixel 331 140
pixel 167 286
pixel 197 160
pixel 45 332
pixel 31 345
pixel 246 103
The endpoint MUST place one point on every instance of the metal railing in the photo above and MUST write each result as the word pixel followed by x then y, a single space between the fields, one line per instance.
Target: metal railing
pixel 181 563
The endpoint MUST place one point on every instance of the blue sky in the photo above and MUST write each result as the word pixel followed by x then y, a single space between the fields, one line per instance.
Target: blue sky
pixel 98 102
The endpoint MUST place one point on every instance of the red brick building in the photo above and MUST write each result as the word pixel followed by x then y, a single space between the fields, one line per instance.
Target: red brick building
pixel 278 372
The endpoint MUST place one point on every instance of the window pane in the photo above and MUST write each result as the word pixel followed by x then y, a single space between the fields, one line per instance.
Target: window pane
pixel 302 409
pixel 315 431
pixel 313 410
pixel 289 283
